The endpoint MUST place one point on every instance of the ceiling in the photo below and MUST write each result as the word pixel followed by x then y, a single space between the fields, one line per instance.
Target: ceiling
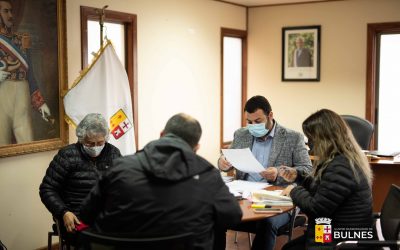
pixel 250 3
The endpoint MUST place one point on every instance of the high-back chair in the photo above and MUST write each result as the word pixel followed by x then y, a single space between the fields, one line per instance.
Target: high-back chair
pixel 390 224
pixel 2 246
pixel 93 241
pixel 361 128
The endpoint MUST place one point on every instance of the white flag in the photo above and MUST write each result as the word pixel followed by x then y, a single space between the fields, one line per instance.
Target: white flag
pixel 104 88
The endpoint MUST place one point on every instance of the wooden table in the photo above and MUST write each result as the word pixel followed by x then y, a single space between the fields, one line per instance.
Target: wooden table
pixel 386 172
pixel 249 215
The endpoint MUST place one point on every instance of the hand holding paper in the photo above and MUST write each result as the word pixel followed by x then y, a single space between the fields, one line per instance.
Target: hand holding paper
pixel 223 164
pixel 243 160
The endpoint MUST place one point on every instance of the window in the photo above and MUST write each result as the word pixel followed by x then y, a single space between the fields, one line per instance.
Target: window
pixel 121 28
pixel 113 31
pixel 233 83
pixel 389 93
pixel 383 89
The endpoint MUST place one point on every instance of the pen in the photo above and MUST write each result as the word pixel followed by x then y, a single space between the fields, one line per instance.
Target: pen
pixel 259 206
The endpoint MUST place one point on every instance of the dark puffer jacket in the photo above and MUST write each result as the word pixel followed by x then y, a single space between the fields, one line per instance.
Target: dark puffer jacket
pixel 337 196
pixel 71 175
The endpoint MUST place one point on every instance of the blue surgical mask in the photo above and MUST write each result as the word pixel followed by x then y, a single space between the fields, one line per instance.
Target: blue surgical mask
pixel 93 151
pixel 257 130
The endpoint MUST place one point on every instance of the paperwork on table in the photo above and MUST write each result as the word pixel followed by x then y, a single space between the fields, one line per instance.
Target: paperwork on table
pixel 271 198
pixel 243 189
pixel 243 160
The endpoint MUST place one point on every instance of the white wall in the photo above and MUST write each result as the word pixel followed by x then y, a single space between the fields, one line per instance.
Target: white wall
pixel 179 71
pixel 343 56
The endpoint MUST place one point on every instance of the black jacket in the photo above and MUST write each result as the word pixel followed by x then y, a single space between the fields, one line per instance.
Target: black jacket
pixel 337 196
pixel 71 175
pixel 164 189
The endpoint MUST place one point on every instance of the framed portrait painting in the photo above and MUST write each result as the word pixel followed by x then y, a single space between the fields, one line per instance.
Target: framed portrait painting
pixel 33 75
pixel 301 53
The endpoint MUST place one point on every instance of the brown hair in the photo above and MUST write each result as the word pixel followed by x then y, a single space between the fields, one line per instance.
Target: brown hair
pixel 330 136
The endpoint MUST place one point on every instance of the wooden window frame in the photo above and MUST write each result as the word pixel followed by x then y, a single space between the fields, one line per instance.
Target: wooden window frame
pixel 374 31
pixel 226 32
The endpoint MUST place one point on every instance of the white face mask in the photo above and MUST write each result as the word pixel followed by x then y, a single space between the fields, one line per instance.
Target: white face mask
pixel 93 151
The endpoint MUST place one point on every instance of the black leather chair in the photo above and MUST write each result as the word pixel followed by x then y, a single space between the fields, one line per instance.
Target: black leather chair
pixel 390 225
pixel 361 128
pixel 93 241
pixel 2 246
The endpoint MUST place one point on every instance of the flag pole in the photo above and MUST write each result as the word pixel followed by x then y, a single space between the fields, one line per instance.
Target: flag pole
pixel 101 22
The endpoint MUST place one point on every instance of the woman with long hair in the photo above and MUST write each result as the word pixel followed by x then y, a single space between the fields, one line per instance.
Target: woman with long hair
pixel 337 193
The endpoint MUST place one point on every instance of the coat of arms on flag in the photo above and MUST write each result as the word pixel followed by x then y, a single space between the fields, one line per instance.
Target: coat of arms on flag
pixel 323 230
pixel 119 124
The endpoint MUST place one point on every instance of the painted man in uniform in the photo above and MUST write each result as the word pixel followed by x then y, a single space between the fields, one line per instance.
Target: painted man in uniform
pixel 18 88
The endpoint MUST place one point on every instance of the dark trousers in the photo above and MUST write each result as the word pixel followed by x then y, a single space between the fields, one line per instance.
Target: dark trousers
pixel 296 244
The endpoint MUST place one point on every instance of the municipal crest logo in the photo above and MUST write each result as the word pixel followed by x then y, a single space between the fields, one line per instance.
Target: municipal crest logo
pixel 323 230
pixel 119 124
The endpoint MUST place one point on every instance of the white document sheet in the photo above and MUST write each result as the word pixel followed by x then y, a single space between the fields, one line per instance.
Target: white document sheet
pixel 245 188
pixel 243 160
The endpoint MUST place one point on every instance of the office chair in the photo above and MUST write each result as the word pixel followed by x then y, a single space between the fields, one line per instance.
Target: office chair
pixel 57 232
pixel 390 224
pixel 361 128
pixel 2 246
pixel 93 241
pixel 296 220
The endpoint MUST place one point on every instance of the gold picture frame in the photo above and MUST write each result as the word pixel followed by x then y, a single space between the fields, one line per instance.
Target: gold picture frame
pixel 38 40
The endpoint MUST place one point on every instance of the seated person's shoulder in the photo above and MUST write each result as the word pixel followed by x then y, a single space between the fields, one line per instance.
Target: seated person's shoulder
pixel 339 166
pixel 128 160
pixel 289 132
pixel 207 167
pixel 242 132
pixel 115 152
pixel 69 150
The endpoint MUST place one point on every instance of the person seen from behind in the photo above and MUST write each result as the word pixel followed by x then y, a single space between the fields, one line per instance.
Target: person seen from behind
pixel 165 189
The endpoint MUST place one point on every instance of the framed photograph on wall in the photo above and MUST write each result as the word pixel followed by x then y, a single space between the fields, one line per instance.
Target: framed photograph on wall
pixel 33 74
pixel 301 53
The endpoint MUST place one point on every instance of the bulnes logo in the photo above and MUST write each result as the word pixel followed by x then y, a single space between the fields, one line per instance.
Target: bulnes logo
pixel 323 230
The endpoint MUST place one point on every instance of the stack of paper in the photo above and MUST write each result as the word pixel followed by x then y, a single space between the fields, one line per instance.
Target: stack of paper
pixel 245 187
pixel 383 153
pixel 271 198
